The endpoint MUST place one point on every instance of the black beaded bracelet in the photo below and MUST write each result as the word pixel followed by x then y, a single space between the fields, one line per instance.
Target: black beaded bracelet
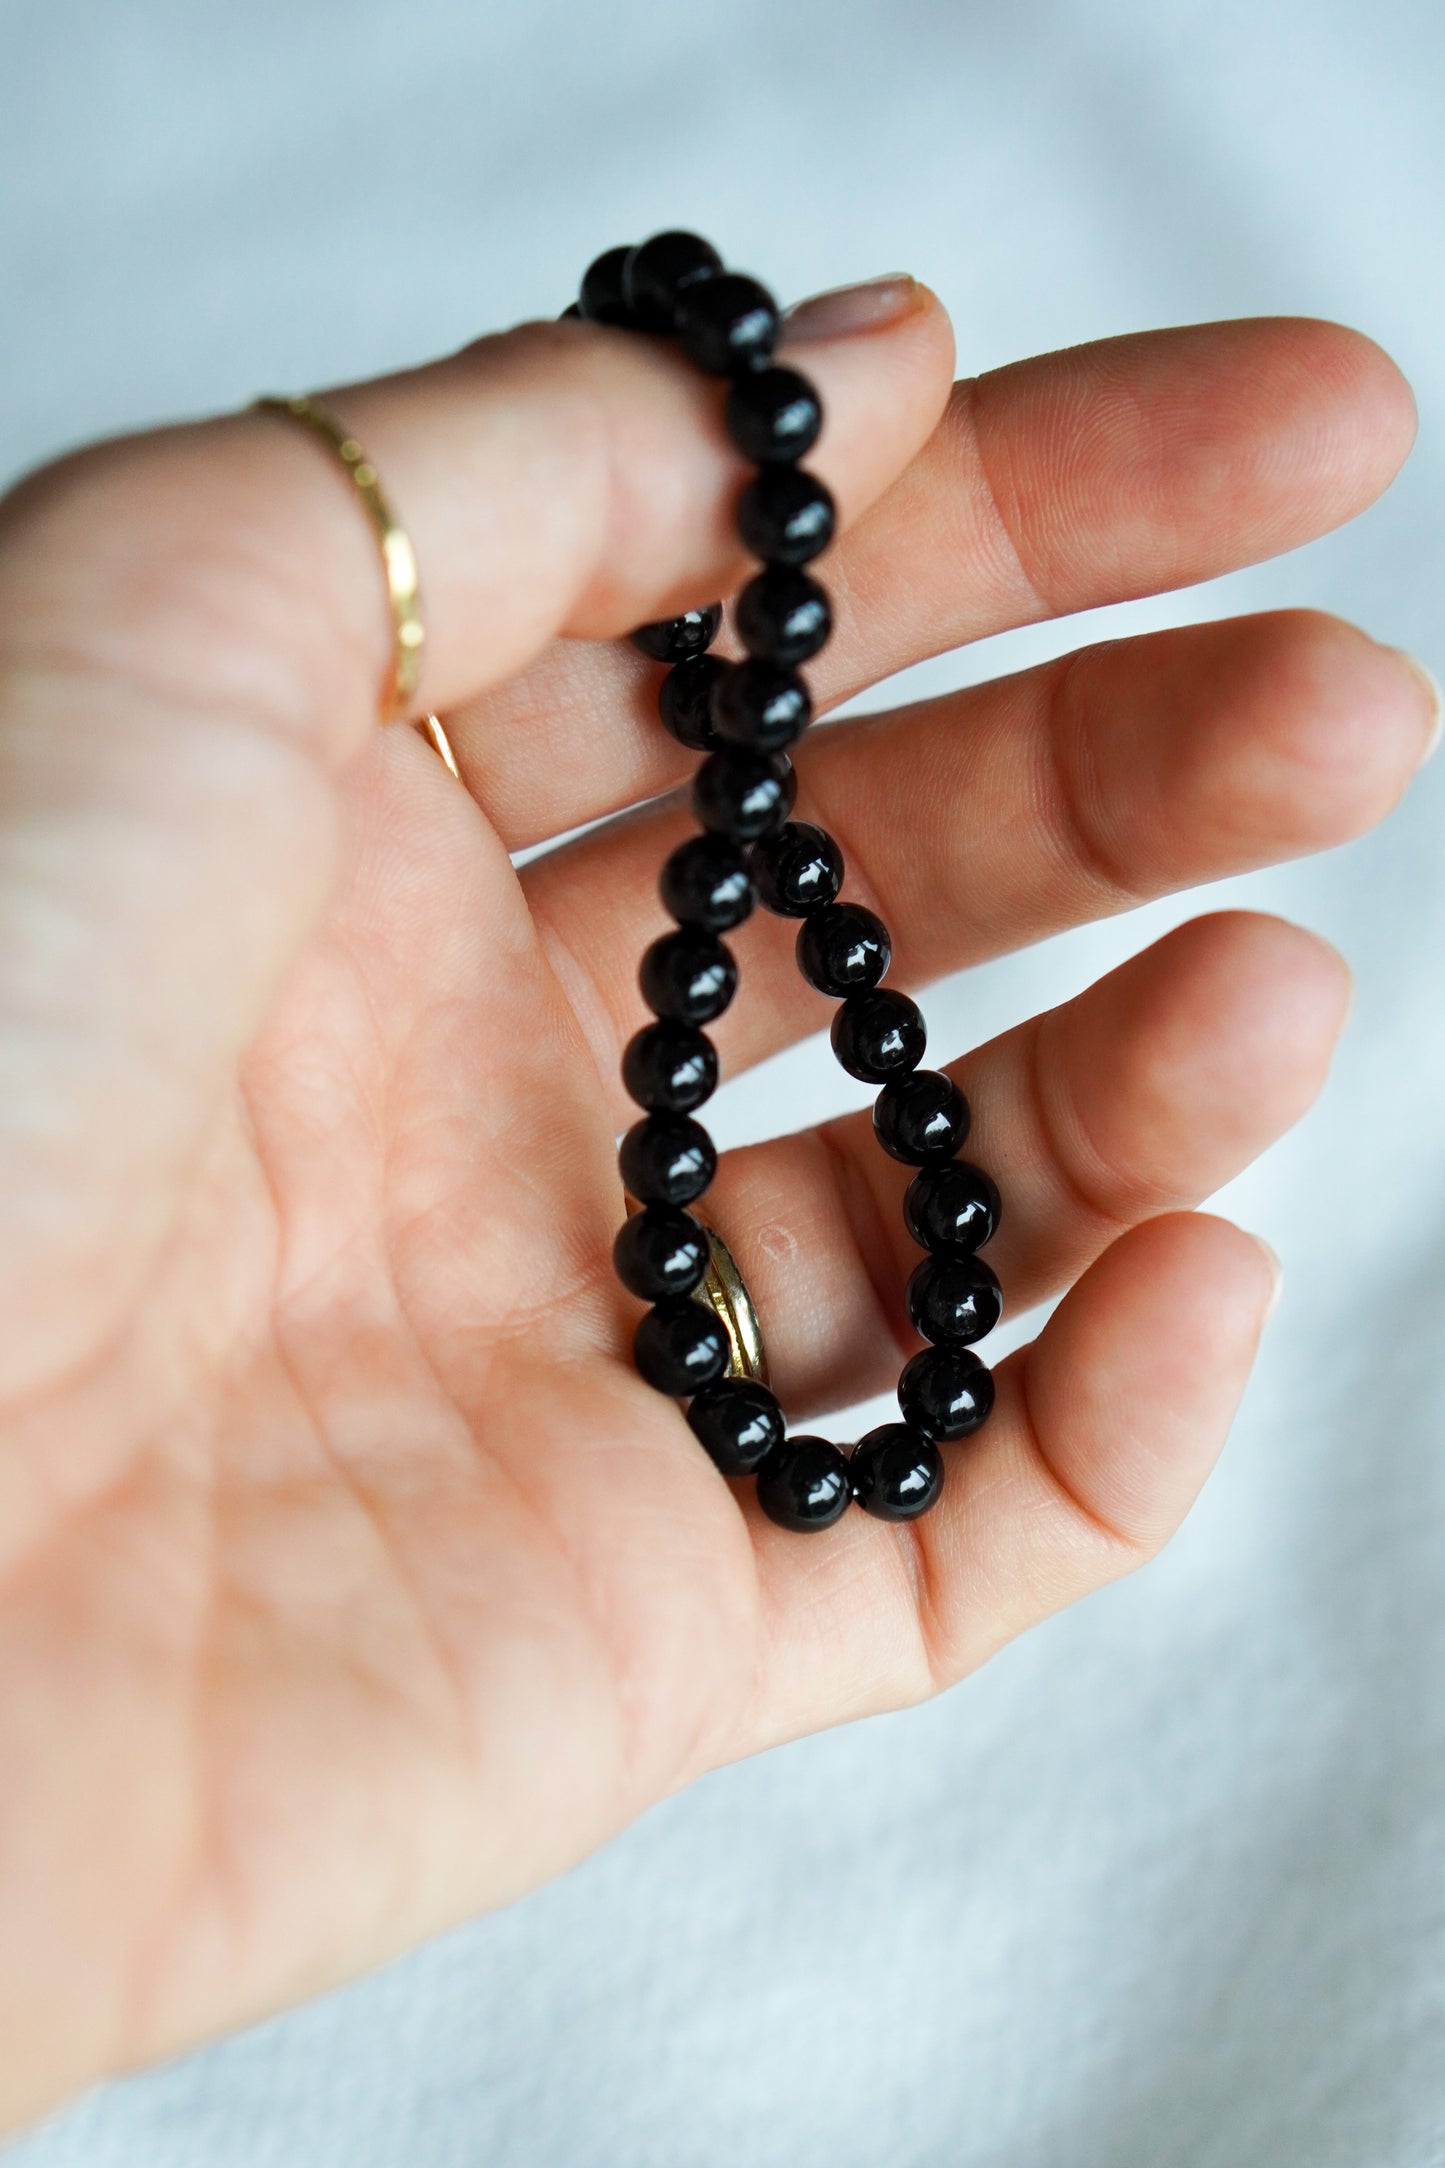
pixel 744 717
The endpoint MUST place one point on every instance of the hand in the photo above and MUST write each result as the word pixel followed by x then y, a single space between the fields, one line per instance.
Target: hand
pixel 350 1578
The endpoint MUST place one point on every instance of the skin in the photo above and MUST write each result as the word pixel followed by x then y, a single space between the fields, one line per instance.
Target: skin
pixel 350 1579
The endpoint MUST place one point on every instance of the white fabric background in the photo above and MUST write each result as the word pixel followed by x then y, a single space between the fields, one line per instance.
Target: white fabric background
pixel 1165 1886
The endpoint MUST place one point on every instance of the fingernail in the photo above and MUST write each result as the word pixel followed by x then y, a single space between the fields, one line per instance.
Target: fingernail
pixel 850 309
pixel 1432 687
pixel 1276 1273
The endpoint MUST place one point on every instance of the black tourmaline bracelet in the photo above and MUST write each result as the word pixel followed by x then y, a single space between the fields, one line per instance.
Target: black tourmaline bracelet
pixel 743 717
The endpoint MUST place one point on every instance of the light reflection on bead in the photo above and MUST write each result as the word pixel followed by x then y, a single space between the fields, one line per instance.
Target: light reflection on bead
pixel 744 717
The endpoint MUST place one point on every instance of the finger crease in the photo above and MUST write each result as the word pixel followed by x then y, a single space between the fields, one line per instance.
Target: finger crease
pixel 967 410
pixel 864 1225
pixel 1062 1163
pixel 917 1553
pixel 1098 1525
pixel 1064 799
pixel 582 994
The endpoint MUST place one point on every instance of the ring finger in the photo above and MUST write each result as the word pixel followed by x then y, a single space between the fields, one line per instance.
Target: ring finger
pixel 1141 1096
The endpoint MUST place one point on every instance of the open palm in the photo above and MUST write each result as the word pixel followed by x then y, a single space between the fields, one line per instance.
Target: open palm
pixel 350 1578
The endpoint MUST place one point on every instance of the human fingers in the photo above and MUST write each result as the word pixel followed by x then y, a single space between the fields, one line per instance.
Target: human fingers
pixel 193 631
pixel 1108 471
pixel 985 820
pixel 1103 1431
pixel 1144 1094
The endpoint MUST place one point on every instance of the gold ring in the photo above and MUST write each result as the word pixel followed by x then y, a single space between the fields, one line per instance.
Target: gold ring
pixel 723 1290
pixel 398 558
pixel 725 1293
pixel 430 728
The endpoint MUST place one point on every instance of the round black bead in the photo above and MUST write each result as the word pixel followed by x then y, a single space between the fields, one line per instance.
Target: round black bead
pixel 680 1346
pixel 655 272
pixel 739 1422
pixel 878 1033
pixel 945 1392
pixel 684 701
pixel 843 947
pixel 953 1209
pixel 660 1253
pixel 728 324
pixel 667 1159
pixel 773 414
pixel 688 975
pixel 798 870
pixel 786 516
pixel 783 615
pixel 705 882
pixel 675 639
pixel 803 1484
pixel 762 705
pixel 742 794
pixel 602 299
pixel 954 1299
pixel 896 1472
pixel 920 1117
pixel 670 1067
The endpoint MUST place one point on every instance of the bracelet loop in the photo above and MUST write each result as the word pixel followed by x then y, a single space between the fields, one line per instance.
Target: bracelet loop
pixel 700 1341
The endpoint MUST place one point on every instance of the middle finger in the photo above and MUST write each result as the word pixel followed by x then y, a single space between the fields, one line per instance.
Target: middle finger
pixel 990 818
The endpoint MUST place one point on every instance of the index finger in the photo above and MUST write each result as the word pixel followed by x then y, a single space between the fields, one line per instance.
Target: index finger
pixel 1091 476
pixel 560 478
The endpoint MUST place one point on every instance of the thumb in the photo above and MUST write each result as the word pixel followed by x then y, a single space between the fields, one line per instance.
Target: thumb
pixel 193 631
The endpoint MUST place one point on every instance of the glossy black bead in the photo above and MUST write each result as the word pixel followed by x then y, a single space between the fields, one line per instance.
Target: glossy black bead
pixel 920 1117
pixel 783 615
pixel 728 324
pixel 705 882
pixel 669 1067
pixel 742 794
pixel 688 975
pixel 878 1034
pixel 739 1422
pixel 953 1299
pixel 896 1472
pixel 786 516
pixel 655 272
pixel 798 870
pixel 667 1159
pixel 952 1209
pixel 945 1392
pixel 773 414
pixel 601 299
pixel 680 1346
pixel 660 1253
pixel 804 1484
pixel 676 639
pixel 760 704
pixel 684 701
pixel 843 947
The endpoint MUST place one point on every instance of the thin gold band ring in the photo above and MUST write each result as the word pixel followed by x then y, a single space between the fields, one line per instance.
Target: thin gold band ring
pixel 725 1292
pixel 398 558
